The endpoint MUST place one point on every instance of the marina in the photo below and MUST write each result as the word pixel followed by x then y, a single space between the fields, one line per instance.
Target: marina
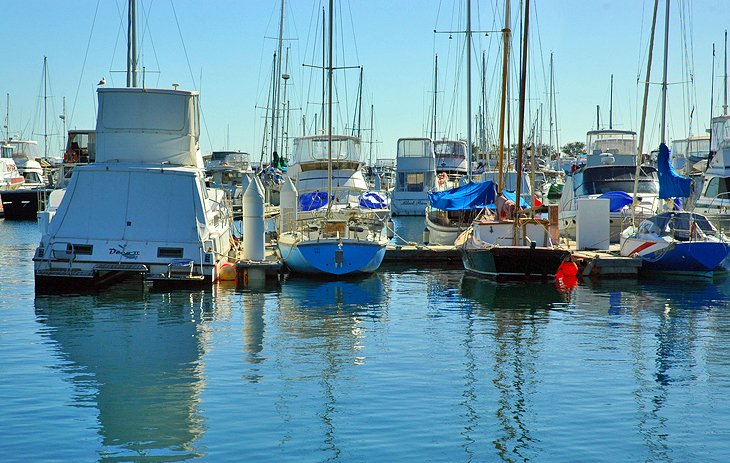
pixel 268 269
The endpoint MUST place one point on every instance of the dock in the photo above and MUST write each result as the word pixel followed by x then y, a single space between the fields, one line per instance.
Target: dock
pixel 591 263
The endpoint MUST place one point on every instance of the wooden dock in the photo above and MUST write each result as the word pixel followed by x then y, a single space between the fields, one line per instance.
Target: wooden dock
pixel 592 264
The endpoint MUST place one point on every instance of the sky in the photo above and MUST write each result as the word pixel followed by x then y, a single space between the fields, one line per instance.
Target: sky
pixel 224 49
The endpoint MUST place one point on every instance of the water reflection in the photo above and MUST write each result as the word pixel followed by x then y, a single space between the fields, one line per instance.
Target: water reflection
pixel 514 313
pixel 326 324
pixel 136 357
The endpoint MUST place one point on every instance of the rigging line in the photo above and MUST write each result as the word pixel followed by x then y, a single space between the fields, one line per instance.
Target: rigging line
pixel 83 65
pixel 148 31
pixel 120 29
pixel 182 41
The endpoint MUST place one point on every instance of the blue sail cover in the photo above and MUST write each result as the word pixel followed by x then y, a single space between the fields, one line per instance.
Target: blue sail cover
pixel 473 195
pixel 512 195
pixel 373 200
pixel 618 199
pixel 312 201
pixel 671 184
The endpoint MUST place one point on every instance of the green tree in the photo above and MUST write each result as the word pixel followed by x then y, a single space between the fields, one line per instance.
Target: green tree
pixel 573 149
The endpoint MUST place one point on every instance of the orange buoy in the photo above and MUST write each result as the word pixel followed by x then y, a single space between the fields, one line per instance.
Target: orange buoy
pixel 227 272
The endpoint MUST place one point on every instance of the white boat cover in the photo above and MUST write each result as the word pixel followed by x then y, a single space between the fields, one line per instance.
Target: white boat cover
pixel 151 126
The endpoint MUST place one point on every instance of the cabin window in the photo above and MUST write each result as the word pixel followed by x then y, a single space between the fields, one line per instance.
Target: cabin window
pixel 718 187
pixel 176 253
pixel 80 249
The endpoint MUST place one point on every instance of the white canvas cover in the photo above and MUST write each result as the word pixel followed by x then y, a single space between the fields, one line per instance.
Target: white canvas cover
pixel 130 204
pixel 314 149
pixel 151 126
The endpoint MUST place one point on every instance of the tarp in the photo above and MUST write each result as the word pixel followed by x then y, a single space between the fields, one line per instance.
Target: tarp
pixel 465 197
pixel 618 199
pixel 373 200
pixel 511 195
pixel 671 184
pixel 312 201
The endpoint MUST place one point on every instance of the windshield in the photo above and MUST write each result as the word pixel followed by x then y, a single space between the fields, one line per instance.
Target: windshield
pixel 619 178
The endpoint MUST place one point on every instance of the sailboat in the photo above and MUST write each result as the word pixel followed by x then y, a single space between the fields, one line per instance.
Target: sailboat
pixel 674 241
pixel 330 235
pixel 142 209
pixel 499 246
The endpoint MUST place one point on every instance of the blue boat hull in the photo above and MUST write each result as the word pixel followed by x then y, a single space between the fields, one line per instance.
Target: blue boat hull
pixel 692 258
pixel 332 257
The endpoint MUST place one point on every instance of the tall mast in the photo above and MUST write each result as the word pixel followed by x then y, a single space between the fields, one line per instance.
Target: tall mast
pixel 45 107
pixel 503 103
pixel 435 90
pixel 324 67
pixel 724 106
pixel 132 44
pixel 329 110
pixel 664 76
pixel 642 126
pixel 63 117
pixel 610 107
pixel 277 91
pixel 521 126
pixel 357 117
pixel 274 86
pixel 7 117
pixel 371 135
pixel 468 89
pixel 550 104
pixel 285 112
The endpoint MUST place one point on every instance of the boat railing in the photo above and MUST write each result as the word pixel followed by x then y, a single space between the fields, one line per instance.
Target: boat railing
pixel 717 201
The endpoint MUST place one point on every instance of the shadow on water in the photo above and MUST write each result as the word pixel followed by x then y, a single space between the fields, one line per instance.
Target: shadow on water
pixel 136 357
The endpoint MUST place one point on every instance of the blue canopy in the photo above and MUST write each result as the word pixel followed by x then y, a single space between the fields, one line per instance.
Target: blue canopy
pixel 312 201
pixel 671 184
pixel 473 195
pixel 618 199
pixel 373 200
pixel 512 195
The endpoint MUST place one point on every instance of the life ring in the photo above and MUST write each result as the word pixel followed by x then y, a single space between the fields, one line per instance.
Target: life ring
pixel 441 178
pixel 70 156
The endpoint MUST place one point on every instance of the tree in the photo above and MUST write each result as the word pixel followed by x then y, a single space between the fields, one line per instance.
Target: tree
pixel 573 149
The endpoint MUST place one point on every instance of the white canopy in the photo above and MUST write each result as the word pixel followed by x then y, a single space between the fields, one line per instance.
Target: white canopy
pixel 150 126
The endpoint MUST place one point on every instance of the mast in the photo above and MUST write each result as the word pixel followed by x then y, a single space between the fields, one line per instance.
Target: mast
pixel 329 111
pixel 371 135
pixel 274 86
pixel 468 90
pixel 724 106
pixel 610 107
pixel 435 90
pixel 324 67
pixel 277 91
pixel 550 105
pixel 357 117
pixel 503 103
pixel 642 126
pixel 132 44
pixel 7 117
pixel 45 107
pixel 664 76
pixel 521 126
pixel 63 117
pixel 285 112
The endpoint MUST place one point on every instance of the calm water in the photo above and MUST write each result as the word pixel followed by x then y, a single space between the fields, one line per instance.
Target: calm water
pixel 406 365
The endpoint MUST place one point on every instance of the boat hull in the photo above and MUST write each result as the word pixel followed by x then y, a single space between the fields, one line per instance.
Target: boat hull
pixel 23 204
pixel 331 256
pixel 513 262
pixel 691 258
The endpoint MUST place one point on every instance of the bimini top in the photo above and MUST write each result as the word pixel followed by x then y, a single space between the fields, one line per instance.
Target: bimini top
pixel 151 126
pixel 474 195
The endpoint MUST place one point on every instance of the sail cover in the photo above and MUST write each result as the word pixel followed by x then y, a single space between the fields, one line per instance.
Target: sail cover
pixel 671 184
pixel 473 195
pixel 312 201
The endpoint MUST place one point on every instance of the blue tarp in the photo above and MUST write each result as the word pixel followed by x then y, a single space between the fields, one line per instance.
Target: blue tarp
pixel 511 195
pixel 671 184
pixel 465 197
pixel 373 200
pixel 312 201
pixel 618 199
